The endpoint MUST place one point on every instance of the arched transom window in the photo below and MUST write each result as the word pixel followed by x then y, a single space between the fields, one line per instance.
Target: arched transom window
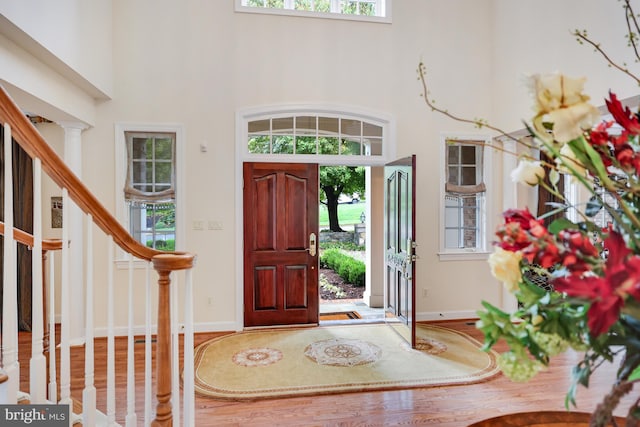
pixel 315 135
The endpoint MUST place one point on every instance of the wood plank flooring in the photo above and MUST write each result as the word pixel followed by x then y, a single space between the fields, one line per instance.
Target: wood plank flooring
pixel 453 406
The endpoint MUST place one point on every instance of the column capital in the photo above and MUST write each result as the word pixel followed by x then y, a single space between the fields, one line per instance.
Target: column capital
pixel 69 125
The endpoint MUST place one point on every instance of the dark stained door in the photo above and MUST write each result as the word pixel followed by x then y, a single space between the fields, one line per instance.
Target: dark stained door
pixel 280 244
pixel 400 219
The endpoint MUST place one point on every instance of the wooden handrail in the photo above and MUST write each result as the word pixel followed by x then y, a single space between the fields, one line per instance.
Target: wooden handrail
pixel 34 144
pixel 27 239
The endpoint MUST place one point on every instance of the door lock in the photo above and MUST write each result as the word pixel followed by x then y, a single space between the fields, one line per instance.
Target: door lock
pixel 312 244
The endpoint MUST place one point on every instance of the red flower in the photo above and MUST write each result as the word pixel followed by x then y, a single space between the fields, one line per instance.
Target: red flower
pixel 623 115
pixel 607 294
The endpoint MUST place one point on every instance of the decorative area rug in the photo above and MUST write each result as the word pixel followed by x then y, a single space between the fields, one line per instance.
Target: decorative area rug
pixel 340 315
pixel 306 361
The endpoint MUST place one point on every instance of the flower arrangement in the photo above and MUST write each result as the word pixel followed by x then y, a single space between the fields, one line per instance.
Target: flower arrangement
pixel 592 304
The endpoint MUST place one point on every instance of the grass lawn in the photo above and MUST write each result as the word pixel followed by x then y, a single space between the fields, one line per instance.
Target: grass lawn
pixel 347 214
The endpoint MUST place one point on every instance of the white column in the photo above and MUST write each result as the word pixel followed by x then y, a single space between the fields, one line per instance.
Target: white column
pixel 73 159
pixel 374 286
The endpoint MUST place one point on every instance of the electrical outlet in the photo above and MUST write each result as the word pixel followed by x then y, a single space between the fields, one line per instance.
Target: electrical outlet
pixel 425 292
pixel 198 225
pixel 215 225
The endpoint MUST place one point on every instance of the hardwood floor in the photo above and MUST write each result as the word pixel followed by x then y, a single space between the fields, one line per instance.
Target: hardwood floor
pixel 453 406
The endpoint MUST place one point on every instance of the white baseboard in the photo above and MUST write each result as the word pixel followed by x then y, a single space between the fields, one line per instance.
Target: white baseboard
pixel 446 315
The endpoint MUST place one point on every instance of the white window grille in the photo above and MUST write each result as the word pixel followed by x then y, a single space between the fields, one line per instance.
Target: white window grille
pixel 150 188
pixel 370 10
pixel 463 212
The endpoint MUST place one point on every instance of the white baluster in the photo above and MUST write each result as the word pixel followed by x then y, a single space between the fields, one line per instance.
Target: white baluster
pixel 65 350
pixel 148 399
pixel 131 419
pixel 189 389
pixel 10 293
pixel 111 370
pixel 53 382
pixel 38 364
pixel 89 392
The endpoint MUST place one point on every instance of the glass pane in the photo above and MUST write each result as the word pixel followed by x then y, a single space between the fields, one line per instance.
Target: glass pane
pixel 275 4
pixel 367 9
pixel 468 155
pixel 306 145
pixel 140 149
pixel 306 125
pixel 303 5
pixel 282 145
pixel 164 148
pixel 451 216
pixel 452 177
pixel 163 173
pixel 328 145
pixel 451 239
pixel 259 126
pixel 142 172
pixel 351 148
pixel 452 155
pixel 328 126
pixel 323 6
pixel 282 126
pixel 259 144
pixel 373 146
pixel 369 129
pixel 468 175
pixel 350 127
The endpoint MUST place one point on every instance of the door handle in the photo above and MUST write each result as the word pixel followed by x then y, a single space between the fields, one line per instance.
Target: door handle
pixel 312 244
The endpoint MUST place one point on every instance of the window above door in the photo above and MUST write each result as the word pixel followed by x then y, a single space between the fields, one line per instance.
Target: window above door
pixel 319 135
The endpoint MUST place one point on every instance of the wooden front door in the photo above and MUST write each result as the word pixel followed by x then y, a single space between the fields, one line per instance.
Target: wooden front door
pixel 280 244
pixel 400 244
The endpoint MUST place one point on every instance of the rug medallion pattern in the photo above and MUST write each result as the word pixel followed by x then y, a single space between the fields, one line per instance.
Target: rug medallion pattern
pixel 343 352
pixel 252 357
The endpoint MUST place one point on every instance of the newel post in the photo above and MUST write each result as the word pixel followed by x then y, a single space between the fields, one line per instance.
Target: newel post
pixel 164 264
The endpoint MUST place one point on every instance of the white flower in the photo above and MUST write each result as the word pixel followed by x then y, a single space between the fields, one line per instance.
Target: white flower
pixel 528 172
pixel 505 266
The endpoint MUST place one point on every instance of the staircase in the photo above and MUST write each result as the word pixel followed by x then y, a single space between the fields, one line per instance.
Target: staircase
pixel 50 379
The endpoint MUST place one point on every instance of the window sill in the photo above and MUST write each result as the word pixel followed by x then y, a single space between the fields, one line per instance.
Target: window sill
pixel 464 256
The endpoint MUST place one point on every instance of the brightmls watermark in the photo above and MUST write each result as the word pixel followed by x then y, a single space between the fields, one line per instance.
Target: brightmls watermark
pixel 34 415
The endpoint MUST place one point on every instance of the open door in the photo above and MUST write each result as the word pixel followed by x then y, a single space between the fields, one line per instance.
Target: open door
pixel 280 244
pixel 400 270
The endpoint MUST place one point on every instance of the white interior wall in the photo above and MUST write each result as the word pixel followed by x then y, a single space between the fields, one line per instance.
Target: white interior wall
pixel 197 63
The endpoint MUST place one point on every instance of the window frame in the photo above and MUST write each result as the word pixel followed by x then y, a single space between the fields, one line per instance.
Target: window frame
pixel 244 116
pixel 121 160
pixel 289 11
pixel 481 250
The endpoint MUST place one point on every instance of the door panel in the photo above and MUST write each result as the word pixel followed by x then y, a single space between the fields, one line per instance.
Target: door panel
pixel 280 216
pixel 400 245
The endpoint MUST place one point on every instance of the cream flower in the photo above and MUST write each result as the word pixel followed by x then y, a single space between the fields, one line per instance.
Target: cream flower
pixel 554 90
pixel 570 122
pixel 505 266
pixel 559 100
pixel 528 172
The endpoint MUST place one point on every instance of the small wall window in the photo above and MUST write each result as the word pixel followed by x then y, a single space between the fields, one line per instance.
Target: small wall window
pixel 376 10
pixel 464 195
pixel 148 171
pixel 150 188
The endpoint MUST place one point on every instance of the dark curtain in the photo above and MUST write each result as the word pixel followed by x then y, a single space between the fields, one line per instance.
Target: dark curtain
pixel 23 219
pixel 545 197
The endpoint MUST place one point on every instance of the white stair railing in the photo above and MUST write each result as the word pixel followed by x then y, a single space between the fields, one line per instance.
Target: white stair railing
pixel 172 406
